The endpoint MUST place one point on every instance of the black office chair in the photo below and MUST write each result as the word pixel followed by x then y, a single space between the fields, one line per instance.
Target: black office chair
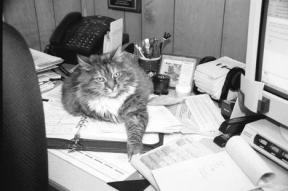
pixel 23 142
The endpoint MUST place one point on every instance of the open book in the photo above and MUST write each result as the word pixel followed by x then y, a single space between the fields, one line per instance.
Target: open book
pixel 201 168
pixel 237 168
pixel 64 130
pixel 175 151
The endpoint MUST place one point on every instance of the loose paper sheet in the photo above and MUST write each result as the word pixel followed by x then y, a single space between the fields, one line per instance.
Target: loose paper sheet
pixel 199 115
pixel 252 93
pixel 113 39
pixel 108 167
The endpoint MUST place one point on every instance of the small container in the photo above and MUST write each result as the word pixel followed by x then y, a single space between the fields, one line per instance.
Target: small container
pixel 150 66
pixel 161 84
pixel 183 90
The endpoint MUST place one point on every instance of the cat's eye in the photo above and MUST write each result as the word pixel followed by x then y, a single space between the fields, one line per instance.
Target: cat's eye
pixel 99 79
pixel 117 74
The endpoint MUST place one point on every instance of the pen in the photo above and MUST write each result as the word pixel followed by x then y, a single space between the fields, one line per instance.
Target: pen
pixel 165 37
pixel 139 50
pixel 54 79
pixel 50 81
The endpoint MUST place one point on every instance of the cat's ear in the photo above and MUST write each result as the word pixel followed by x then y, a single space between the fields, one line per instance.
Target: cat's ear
pixel 94 58
pixel 118 52
pixel 116 55
pixel 84 62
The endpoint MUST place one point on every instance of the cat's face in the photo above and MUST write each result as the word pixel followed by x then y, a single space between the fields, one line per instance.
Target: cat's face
pixel 106 76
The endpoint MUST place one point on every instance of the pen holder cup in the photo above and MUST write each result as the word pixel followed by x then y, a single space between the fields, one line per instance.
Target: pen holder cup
pixel 150 66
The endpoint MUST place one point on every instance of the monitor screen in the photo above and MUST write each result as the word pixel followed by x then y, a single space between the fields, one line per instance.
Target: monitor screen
pixel 273 47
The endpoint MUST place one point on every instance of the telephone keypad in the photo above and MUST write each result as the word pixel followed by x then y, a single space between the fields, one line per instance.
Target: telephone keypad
pixel 88 35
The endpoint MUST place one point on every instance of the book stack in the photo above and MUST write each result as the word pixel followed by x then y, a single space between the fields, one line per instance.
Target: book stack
pixel 210 77
pixel 44 63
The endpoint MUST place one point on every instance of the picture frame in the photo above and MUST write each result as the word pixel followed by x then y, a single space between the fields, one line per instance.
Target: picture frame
pixel 125 5
pixel 180 69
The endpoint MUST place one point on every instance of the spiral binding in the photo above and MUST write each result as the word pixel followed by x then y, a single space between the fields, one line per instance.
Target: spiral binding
pixel 76 145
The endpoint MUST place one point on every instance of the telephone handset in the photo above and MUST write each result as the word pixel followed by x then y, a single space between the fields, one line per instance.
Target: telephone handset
pixel 64 25
pixel 79 35
pixel 82 35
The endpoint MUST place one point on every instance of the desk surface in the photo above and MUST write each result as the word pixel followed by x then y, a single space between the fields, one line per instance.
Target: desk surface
pixel 68 176
pixel 72 177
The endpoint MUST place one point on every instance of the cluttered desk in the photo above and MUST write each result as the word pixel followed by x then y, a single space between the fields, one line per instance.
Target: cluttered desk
pixel 189 125
pixel 190 142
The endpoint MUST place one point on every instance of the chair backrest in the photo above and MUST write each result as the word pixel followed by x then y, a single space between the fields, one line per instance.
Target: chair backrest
pixel 23 143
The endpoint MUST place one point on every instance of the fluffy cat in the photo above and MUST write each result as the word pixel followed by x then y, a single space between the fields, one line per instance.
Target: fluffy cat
pixel 111 87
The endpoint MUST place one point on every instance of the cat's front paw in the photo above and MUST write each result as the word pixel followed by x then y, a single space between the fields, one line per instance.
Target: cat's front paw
pixel 133 148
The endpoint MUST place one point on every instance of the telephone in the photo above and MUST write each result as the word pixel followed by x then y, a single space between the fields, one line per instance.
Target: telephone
pixel 234 126
pixel 79 35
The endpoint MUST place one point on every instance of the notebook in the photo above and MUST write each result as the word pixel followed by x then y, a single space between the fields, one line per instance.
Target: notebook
pixel 91 135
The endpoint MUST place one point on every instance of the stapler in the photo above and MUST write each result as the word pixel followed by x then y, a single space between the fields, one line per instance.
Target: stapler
pixel 233 127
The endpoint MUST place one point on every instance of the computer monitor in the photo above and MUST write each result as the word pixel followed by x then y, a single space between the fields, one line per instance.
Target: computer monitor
pixel 267 54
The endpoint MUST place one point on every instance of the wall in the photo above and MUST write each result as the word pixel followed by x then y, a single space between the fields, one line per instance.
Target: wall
pixel 198 27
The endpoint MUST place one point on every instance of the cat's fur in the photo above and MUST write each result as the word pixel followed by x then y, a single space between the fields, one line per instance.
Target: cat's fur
pixel 111 87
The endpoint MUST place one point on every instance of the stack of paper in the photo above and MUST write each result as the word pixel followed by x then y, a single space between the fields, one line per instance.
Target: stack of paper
pixel 44 61
pixel 198 115
pixel 210 77
pixel 47 80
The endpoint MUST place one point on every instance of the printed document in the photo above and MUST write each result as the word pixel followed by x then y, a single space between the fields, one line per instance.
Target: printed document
pixel 199 115
pixel 237 168
pixel 113 39
pixel 106 166
pixel 176 150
